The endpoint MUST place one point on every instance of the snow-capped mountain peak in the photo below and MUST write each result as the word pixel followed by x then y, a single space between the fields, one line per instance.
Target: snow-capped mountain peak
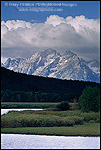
pixel 50 63
pixel 69 54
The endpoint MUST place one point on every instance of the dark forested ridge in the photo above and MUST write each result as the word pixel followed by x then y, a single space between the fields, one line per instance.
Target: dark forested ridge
pixel 13 81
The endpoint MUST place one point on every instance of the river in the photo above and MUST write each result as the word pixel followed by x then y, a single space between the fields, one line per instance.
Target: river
pixel 5 111
pixel 19 141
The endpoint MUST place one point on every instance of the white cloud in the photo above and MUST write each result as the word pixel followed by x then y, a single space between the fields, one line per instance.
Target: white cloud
pixel 55 20
pixel 79 34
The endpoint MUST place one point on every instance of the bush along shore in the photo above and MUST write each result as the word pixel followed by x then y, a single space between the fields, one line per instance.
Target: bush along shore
pixel 35 122
pixel 38 119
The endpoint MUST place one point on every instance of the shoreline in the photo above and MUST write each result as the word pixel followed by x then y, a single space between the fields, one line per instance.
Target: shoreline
pixel 53 135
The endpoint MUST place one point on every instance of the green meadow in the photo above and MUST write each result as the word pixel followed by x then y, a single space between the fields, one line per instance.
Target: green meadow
pixel 87 129
pixel 8 105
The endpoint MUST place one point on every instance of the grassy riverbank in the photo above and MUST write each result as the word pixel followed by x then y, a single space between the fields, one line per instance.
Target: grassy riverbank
pixel 87 129
pixel 71 123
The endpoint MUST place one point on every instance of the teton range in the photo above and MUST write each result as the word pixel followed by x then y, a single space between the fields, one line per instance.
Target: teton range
pixel 50 63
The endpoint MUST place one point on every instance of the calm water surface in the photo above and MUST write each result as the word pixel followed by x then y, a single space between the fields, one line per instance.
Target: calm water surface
pixel 5 111
pixel 19 141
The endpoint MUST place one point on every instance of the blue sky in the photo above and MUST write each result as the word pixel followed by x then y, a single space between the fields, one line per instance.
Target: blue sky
pixel 90 9
pixel 74 28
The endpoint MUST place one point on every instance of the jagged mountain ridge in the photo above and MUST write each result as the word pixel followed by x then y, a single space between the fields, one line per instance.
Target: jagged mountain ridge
pixel 50 63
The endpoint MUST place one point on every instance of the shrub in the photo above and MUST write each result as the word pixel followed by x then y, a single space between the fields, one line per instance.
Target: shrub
pixel 34 120
pixel 78 120
pixel 91 116
pixel 47 118
pixel 92 121
pixel 63 106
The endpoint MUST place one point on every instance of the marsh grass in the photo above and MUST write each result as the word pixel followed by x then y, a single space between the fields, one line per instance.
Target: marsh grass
pixel 29 118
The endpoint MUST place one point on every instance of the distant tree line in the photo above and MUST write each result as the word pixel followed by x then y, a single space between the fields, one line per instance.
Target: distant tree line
pixel 22 96
pixel 28 88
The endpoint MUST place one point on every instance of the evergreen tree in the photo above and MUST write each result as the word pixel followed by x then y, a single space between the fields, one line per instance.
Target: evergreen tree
pixel 5 96
pixel 90 99
pixel 18 97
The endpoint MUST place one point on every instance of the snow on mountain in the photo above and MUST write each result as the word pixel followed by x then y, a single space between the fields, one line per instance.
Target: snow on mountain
pixel 94 65
pixel 50 63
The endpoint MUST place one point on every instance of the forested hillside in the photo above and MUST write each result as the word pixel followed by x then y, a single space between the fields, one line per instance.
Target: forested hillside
pixel 22 87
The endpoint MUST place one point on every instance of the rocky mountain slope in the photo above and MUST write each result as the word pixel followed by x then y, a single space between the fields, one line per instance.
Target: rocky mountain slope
pixel 50 63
